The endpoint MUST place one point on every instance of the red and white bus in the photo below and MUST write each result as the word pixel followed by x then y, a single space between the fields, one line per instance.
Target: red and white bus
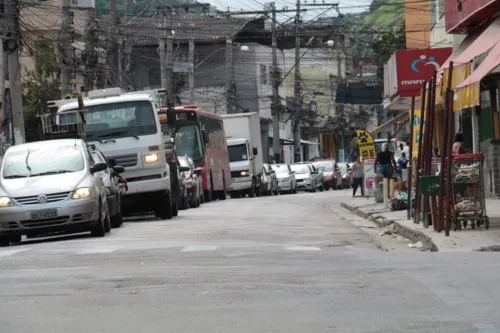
pixel 200 135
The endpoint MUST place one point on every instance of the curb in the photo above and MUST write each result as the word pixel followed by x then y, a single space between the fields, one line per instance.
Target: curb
pixel 381 221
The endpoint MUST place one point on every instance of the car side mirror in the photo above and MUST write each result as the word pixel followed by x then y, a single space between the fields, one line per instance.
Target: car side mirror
pixel 98 167
pixel 255 151
pixel 205 136
pixel 112 162
pixel 198 171
pixel 118 169
pixel 184 169
pixel 292 171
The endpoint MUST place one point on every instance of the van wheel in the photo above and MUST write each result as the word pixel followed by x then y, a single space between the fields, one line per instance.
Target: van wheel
pixel 100 229
pixel 164 206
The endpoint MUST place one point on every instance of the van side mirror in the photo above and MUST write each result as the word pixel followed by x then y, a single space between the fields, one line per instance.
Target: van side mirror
pixel 255 151
pixel 204 133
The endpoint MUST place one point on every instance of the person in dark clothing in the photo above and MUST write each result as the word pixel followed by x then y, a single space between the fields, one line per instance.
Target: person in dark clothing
pixel 458 144
pixel 385 164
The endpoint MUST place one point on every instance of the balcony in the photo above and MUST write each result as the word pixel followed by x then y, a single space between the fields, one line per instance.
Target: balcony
pixel 462 16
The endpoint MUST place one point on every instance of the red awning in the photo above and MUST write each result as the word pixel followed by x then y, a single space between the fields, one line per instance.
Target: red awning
pixel 491 61
pixel 403 117
pixel 485 41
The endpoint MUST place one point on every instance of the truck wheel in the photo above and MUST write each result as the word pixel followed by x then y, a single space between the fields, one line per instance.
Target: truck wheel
pixel 175 209
pixel 251 191
pixel 164 206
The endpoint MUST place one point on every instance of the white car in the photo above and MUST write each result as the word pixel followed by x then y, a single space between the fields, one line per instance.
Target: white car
pixel 306 177
pixel 286 178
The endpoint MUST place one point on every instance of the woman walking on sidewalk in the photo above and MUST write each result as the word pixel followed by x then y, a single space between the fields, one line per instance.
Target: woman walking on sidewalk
pixel 357 177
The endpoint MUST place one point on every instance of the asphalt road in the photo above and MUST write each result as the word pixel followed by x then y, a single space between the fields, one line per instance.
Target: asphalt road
pixel 287 264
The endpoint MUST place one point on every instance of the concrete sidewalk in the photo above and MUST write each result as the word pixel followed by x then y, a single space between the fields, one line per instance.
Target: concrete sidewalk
pixel 460 240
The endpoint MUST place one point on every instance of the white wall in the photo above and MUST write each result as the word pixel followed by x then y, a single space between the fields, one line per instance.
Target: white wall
pixel 438 35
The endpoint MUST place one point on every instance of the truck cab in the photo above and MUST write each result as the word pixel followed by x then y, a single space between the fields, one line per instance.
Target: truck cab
pixel 125 127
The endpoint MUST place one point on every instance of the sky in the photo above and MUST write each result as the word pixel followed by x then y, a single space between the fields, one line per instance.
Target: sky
pixel 345 6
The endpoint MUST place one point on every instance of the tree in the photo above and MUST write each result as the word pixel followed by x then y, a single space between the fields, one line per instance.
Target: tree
pixel 386 45
pixel 42 84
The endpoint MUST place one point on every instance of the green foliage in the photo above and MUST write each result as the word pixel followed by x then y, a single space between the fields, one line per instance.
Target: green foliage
pixel 40 85
pixel 384 14
pixel 386 45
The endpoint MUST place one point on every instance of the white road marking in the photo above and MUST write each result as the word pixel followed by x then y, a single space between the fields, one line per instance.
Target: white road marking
pixel 8 253
pixel 96 250
pixel 197 248
pixel 302 248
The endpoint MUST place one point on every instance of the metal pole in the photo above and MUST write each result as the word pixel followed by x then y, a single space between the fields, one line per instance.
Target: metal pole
pixel 170 58
pixel 297 88
pixel 65 49
pixel 426 153
pixel 162 22
pixel 416 215
pixel 409 167
pixel 230 95
pixel 13 82
pixel 451 122
pixel 276 102
pixel 191 72
pixel 91 40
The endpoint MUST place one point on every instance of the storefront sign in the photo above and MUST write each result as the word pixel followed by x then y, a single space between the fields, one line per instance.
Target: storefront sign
pixel 366 145
pixel 416 132
pixel 369 170
pixel 417 66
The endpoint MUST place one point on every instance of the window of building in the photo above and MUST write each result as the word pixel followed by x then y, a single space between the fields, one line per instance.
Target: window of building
pixel 263 74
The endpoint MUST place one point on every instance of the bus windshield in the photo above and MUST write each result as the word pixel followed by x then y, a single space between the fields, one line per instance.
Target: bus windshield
pixel 188 141
pixel 116 120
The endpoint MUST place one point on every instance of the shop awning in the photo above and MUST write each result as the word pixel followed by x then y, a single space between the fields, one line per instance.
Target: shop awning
pixel 469 90
pixel 305 142
pixel 404 117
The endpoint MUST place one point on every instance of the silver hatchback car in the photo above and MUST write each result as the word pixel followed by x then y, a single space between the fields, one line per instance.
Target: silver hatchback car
pixel 51 187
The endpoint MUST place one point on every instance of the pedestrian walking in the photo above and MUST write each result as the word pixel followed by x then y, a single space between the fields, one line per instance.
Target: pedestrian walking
pixel 403 167
pixel 357 177
pixel 385 164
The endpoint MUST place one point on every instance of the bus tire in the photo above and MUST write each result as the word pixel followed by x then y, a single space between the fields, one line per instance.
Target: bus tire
pixel 164 206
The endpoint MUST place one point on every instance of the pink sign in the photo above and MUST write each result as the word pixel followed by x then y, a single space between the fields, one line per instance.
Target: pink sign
pixel 368 166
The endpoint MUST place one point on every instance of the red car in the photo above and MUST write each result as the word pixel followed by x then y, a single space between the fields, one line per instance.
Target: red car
pixel 328 172
pixel 192 181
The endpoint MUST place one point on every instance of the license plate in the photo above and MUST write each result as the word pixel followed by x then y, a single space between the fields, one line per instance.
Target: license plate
pixel 43 214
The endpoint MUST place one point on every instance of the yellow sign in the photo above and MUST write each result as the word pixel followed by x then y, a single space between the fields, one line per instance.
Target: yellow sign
pixel 68 96
pixel 366 145
pixel 417 119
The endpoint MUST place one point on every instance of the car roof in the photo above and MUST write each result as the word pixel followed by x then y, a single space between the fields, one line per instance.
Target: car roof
pixel 39 144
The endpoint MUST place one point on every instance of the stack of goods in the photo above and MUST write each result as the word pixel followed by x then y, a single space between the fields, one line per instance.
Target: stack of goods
pixel 467 174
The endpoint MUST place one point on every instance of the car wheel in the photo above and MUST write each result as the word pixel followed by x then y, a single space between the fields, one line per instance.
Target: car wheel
pixel 107 223
pixel 99 230
pixel 164 206
pixel 175 209
pixel 4 241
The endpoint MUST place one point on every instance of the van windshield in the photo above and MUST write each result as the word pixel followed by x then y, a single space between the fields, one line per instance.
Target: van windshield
pixel 116 120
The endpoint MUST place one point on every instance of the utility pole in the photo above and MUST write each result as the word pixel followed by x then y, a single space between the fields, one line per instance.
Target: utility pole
pixel 166 52
pixel 91 55
pixel 297 105
pixel 231 85
pixel 338 45
pixel 191 61
pixel 276 105
pixel 66 49
pixel 13 115
pixel 112 75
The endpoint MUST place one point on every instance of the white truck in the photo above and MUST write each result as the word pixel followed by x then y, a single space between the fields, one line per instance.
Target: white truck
pixel 245 153
pixel 126 128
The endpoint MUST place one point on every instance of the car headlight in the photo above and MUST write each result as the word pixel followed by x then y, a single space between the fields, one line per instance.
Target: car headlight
pixel 245 173
pixel 151 158
pixel 82 193
pixel 6 202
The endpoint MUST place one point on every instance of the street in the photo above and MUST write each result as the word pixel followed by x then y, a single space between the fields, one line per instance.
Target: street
pixel 289 263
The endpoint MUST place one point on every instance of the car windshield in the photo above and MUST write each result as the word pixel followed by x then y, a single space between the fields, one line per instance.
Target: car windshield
pixel 280 168
pixel 44 160
pixel 342 167
pixel 300 168
pixel 116 120
pixel 327 166
pixel 238 153
pixel 183 162
pixel 188 141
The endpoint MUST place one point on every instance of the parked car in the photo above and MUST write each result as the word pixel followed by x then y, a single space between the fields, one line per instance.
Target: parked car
pixel 328 167
pixel 269 180
pixel 192 180
pixel 319 177
pixel 112 180
pixel 344 172
pixel 51 187
pixel 306 176
pixel 286 178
